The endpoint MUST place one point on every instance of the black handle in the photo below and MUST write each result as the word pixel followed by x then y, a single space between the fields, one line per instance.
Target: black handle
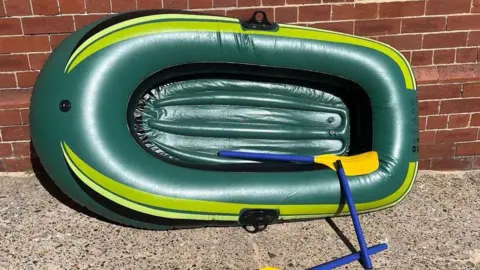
pixel 259 21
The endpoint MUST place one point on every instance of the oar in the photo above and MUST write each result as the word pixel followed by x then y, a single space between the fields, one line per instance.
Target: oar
pixel 353 165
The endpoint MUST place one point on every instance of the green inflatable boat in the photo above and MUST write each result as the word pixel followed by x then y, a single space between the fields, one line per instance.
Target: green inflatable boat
pixel 129 113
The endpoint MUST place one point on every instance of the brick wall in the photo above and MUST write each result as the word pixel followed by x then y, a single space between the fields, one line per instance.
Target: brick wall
pixel 441 39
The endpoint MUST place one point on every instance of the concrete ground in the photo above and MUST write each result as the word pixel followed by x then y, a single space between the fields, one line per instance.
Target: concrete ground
pixel 436 227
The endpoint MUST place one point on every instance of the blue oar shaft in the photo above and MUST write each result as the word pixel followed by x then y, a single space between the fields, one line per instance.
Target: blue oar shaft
pixel 261 156
pixel 349 258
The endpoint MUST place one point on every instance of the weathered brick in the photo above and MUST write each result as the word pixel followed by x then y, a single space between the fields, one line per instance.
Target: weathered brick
pixel 21 149
pixel 475 122
pixel 246 3
pixel 440 91
pixel 355 11
pixel 45 7
pixel 460 105
pixel 403 42
pixel 72 6
pixel 98 6
pixel 377 27
pixel 446 56
pixel 459 73
pixel 286 14
pixel 7 80
pixel 5 150
pixel 447 164
pixel 422 122
pixel 447 6
pixel 427 137
pixel 426 74
pixel 423 24
pixel 13 62
pixel 18 164
pixel 456 135
pixel 18 7
pixel 55 40
pixel 224 3
pixel 200 4
pixel 175 4
pixel 344 27
pixel 296 2
pixel 152 4
pixel 437 121
pixel 14 99
pixel 19 44
pixel 15 133
pixel 445 40
pixel 424 164
pixel 10 26
pixel 128 5
pixel 473 38
pixel 272 2
pixel 47 25
pixel 401 9
pixel 84 20
pixel 475 6
pixel 437 150
pixel 468 149
pixel 27 79
pixel 466 55
pixel 463 22
pixel 471 90
pixel 37 60
pixel 25 114
pixel 458 120
pixel 422 58
pixel 10 117
pixel 314 13
pixel 428 107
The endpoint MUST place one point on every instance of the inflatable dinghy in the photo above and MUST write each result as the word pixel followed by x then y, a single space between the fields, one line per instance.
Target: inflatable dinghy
pixel 129 114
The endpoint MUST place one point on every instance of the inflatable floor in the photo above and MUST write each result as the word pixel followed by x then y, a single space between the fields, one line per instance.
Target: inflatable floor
pixel 129 113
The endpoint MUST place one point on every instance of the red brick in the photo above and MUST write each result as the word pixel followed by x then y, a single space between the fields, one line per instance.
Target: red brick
pixel 13 62
pixel 422 58
pixel 25 114
pixel 427 137
pixel 295 2
pixel 471 90
pixel 18 44
pixel 246 3
pixel 403 42
pixel 10 117
pixel 10 26
pixel 458 120
pixel 7 80
pixel 126 5
pixel 424 164
pixel 444 40
pixel 37 60
pixel 459 73
pixel 47 25
pixel 456 135
pixel 214 12
pixel 427 24
pixel 344 27
pixel 440 91
pixel 5 150
pixel 355 11
pixel 460 105
pixel 272 2
pixel 14 99
pixel 437 150
pixel 18 164
pixel 17 7
pixel 98 6
pixel 437 121
pixel 224 3
pixel 175 4
pixel 422 122
pixel 314 13
pixel 407 55
pixel 475 6
pixel 150 4
pixel 247 13
pixel 447 6
pixel 45 7
pixel 402 9
pixel 15 133
pixel 428 107
pixel 426 74
pixel 475 120
pixel 476 161
pixel 55 40
pixel 197 4
pixel 444 56
pixel 21 149
pixel 473 38
pixel 27 79
pixel 2 14
pixel 84 20
pixel 447 164
pixel 286 14
pixel 72 6
pixel 377 27
pixel 466 55
pixel 464 22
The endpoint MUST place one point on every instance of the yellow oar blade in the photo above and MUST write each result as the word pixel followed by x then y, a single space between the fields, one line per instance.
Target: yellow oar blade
pixel 353 165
